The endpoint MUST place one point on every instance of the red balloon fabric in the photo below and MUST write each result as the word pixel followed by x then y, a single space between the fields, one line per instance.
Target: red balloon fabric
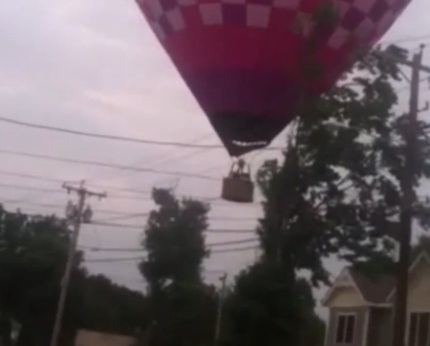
pixel 249 63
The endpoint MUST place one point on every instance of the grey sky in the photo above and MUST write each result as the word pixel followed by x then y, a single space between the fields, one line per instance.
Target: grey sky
pixel 95 65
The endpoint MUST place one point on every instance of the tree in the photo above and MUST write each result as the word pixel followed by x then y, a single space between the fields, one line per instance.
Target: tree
pixel 182 306
pixel 33 253
pixel 338 190
pixel 99 304
pixel 265 308
pixel 174 240
pixel 32 258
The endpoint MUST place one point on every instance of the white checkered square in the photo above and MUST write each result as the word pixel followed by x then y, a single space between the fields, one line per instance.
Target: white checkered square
pixel 339 38
pixel 235 2
pixel 365 29
pixel 211 13
pixel 155 8
pixel 158 30
pixel 364 5
pixel 342 7
pixel 287 4
pixel 391 2
pixel 187 2
pixel 175 19
pixel 257 15
pixel 386 21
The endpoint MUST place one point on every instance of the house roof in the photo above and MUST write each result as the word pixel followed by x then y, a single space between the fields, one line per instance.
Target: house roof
pixel 420 256
pixel 374 291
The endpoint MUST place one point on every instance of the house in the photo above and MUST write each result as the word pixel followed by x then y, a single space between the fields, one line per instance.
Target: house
pixel 92 338
pixel 361 309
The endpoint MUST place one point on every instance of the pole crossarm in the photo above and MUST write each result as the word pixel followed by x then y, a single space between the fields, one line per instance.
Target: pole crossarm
pixel 82 193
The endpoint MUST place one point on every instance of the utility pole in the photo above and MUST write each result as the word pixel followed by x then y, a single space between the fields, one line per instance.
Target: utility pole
pixel 408 200
pixel 77 215
pixel 220 308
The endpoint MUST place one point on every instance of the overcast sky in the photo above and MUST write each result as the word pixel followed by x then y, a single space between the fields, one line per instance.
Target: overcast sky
pixel 95 65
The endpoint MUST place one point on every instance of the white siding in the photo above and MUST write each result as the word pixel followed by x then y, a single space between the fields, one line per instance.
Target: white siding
pixel 344 297
pixel 419 288
pixel 90 338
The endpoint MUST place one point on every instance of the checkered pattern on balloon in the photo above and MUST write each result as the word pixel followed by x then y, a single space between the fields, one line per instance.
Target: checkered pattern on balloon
pixel 252 64
pixel 248 61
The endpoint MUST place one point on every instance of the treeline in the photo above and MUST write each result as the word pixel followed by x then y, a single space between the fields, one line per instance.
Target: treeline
pixel 33 254
pixel 336 193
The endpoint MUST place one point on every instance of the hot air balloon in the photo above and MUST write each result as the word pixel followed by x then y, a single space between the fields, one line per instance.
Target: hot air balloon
pixel 250 62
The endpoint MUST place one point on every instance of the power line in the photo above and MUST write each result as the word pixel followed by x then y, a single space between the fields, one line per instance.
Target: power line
pixel 31 188
pixel 211 200
pixel 122 215
pixel 116 249
pixel 407 39
pixel 56 180
pixel 106 165
pixel 136 259
pixel 47 205
pixel 55 191
pixel 138 215
pixel 144 160
pixel 121 225
pixel 233 242
pixel 215 231
pixel 112 137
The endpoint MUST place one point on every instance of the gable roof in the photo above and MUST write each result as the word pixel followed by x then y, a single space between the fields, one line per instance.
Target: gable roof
pixel 421 256
pixel 344 279
pixel 373 291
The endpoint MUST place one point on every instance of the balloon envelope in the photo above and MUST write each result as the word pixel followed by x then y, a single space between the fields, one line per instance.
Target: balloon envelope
pixel 249 63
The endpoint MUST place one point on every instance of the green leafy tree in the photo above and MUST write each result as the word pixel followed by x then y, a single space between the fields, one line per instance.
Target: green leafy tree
pixel 99 304
pixel 33 253
pixel 174 240
pixel 338 190
pixel 266 308
pixel 182 306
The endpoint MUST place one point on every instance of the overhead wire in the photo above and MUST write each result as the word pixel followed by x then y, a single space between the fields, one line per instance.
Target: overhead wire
pixel 105 165
pixel 57 180
pixel 216 201
pixel 407 39
pixel 141 161
pixel 58 191
pixel 209 245
pixel 47 205
pixel 136 259
pixel 111 137
pixel 141 227
pixel 119 215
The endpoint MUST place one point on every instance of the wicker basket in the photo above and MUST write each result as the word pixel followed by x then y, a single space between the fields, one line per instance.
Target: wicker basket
pixel 237 190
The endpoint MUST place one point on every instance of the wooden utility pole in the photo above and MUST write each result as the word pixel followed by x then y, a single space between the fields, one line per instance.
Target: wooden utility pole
pixel 220 308
pixel 76 218
pixel 408 200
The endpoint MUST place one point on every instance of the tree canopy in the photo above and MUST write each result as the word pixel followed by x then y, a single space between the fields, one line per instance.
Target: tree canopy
pixel 33 253
pixel 182 305
pixel 337 192
pixel 174 240
pixel 339 188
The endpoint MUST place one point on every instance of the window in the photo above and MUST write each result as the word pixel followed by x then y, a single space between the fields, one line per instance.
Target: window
pixel 419 329
pixel 345 329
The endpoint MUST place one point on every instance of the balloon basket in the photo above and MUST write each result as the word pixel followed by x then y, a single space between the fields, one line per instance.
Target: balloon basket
pixel 238 186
